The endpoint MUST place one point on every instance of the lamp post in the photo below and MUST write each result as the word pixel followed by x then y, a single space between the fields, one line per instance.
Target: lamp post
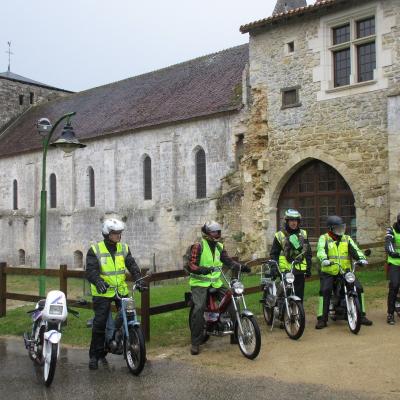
pixel 67 142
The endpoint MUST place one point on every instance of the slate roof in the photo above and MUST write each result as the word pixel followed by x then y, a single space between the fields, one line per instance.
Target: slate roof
pixel 284 16
pixel 204 86
pixel 19 78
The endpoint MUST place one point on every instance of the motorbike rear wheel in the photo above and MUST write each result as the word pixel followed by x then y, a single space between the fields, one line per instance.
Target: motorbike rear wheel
pixel 296 321
pixel 354 315
pixel 50 361
pixel 135 350
pixel 250 340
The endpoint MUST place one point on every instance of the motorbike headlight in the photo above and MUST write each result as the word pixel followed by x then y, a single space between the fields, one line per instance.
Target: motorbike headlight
pixel 238 287
pixel 350 277
pixel 130 305
pixel 289 277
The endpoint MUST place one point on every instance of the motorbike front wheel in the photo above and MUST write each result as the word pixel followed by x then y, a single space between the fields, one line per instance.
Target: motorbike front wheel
pixel 50 362
pixel 268 311
pixel 135 350
pixel 250 339
pixel 295 322
pixel 354 315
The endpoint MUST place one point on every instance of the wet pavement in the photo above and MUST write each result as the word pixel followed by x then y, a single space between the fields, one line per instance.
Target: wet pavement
pixel 161 379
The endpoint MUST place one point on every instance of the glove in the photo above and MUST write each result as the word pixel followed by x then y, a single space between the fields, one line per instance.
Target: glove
pixel 363 262
pixel 205 270
pixel 101 286
pixel 140 287
pixel 394 254
pixel 308 273
pixel 245 269
pixel 326 263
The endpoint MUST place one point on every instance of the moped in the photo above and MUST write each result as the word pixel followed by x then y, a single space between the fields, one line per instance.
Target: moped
pixel 219 322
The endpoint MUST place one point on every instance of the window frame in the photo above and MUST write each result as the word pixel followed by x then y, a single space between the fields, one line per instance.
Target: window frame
pixel 284 91
pixel 200 176
pixel 353 45
pixel 15 194
pixel 52 191
pixel 147 178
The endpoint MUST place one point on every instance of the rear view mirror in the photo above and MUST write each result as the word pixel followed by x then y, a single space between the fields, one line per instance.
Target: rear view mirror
pixel 367 252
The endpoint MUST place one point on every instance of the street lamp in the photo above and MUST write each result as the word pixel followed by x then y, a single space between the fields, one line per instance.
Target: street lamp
pixel 68 143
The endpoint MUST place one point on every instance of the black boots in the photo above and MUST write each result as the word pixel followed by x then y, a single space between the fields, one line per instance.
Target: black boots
pixel 321 324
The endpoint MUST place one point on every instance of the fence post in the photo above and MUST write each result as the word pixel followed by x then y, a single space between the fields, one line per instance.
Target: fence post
pixel 3 289
pixel 145 312
pixel 63 279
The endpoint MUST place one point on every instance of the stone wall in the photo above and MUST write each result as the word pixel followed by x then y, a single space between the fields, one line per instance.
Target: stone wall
pixel 163 226
pixel 348 131
pixel 10 92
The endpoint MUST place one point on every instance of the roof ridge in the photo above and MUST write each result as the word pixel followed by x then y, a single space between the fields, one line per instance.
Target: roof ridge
pixel 165 68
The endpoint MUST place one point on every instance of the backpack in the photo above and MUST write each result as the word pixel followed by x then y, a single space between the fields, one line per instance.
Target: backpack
pixel 186 257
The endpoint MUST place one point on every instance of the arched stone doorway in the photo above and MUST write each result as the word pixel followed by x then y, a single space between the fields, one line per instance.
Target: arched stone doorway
pixel 21 257
pixel 318 190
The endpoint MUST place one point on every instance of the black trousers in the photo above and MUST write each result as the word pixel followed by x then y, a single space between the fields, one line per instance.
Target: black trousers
pixel 101 308
pixel 199 297
pixel 299 283
pixel 327 283
pixel 394 285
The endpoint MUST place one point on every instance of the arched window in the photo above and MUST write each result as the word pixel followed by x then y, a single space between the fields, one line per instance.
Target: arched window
pixel 78 259
pixel 15 195
pixel 92 193
pixel 201 178
pixel 317 190
pixel 21 257
pixel 53 191
pixel 147 178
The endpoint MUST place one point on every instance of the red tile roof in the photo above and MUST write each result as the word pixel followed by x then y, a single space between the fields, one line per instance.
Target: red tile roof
pixel 204 86
pixel 276 18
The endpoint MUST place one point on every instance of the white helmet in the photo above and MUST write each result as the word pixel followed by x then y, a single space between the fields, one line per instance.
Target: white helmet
pixel 112 224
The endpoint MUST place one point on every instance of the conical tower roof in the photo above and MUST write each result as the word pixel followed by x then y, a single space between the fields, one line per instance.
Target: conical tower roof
pixel 287 5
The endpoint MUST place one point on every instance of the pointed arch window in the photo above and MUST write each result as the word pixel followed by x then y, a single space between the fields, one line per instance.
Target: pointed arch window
pixel 92 188
pixel 201 177
pixel 15 195
pixel 53 191
pixel 147 184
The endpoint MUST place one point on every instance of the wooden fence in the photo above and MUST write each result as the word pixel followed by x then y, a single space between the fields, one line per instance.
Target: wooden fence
pixel 145 311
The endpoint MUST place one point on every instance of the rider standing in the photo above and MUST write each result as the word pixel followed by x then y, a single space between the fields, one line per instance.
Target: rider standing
pixel 288 244
pixel 392 247
pixel 206 255
pixel 106 262
pixel 335 247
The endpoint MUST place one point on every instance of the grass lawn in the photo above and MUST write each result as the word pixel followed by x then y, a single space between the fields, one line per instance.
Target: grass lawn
pixel 168 328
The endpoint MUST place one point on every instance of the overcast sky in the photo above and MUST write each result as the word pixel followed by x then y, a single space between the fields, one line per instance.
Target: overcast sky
pixel 80 44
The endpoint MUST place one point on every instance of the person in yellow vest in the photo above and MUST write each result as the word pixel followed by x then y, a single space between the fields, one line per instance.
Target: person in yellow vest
pixel 392 247
pixel 106 262
pixel 289 243
pixel 336 247
pixel 204 256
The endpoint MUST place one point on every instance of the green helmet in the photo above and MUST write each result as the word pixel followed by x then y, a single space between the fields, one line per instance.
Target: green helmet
pixel 292 214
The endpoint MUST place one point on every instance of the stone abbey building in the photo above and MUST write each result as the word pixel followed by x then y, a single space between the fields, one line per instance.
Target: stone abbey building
pixel 306 115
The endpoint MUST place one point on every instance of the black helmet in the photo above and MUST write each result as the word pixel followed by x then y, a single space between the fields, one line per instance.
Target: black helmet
pixel 211 230
pixel 336 225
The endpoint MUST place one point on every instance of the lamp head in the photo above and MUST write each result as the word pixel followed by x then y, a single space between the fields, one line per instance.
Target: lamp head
pixel 44 126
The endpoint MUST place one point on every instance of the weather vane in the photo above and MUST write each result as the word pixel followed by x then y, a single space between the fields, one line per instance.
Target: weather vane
pixel 9 55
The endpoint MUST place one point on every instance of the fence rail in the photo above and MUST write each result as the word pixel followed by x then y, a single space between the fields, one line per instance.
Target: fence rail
pixel 145 311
